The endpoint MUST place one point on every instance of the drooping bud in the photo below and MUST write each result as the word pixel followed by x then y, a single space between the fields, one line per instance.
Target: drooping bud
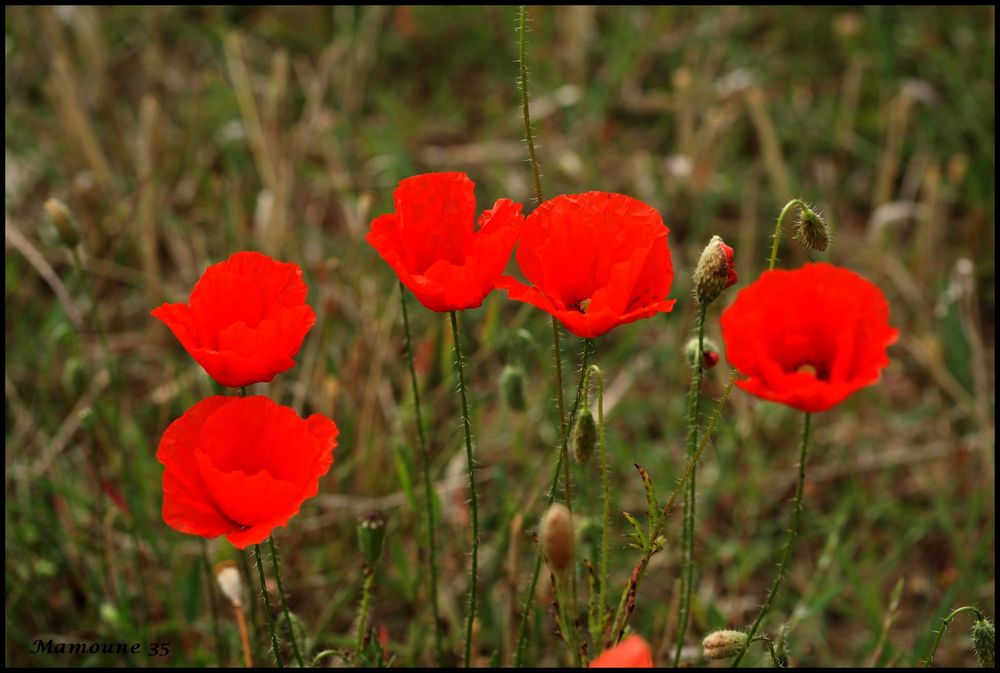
pixel 228 577
pixel 584 435
pixel 715 271
pixel 371 535
pixel 557 537
pixel 723 644
pixel 512 387
pixel 709 353
pixel 63 221
pixel 984 635
pixel 811 230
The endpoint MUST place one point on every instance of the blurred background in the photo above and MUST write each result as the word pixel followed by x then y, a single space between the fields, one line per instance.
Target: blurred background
pixel 177 136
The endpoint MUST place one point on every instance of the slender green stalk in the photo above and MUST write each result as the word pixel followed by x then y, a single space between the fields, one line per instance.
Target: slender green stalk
pixel 522 29
pixel 786 554
pixel 473 497
pixel 267 607
pixel 284 604
pixel 428 491
pixel 366 599
pixel 605 497
pixel 775 661
pixel 687 541
pixel 254 617
pixel 216 625
pixel 522 633
pixel 622 614
pixel 944 625
pixel 776 237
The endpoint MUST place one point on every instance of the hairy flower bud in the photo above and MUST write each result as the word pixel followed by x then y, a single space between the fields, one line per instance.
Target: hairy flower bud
pixel 715 271
pixel 984 636
pixel 230 582
pixel 709 353
pixel 584 435
pixel 371 535
pixel 723 644
pixel 63 221
pixel 512 387
pixel 557 537
pixel 811 230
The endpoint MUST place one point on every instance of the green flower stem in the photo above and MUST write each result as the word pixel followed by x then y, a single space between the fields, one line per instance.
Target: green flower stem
pixel 775 661
pixel 216 625
pixel 428 491
pixel 366 600
pixel 786 554
pixel 522 633
pixel 944 625
pixel 474 498
pixel 605 497
pixel 776 237
pixel 267 607
pixel 687 540
pixel 522 29
pixel 254 617
pixel 622 615
pixel 284 604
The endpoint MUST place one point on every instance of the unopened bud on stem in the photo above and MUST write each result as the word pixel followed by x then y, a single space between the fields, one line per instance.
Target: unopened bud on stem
pixel 715 271
pixel 584 436
pixel 557 538
pixel 811 230
pixel 371 535
pixel 723 644
pixel 984 636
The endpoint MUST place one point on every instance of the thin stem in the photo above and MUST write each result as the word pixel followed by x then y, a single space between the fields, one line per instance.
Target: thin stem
pixel 786 554
pixel 428 491
pixel 522 29
pixel 254 619
pixel 622 616
pixel 776 237
pixel 522 633
pixel 366 599
pixel 474 498
pixel 605 497
pixel 687 542
pixel 284 604
pixel 216 626
pixel 267 607
pixel 244 637
pixel 770 648
pixel 944 625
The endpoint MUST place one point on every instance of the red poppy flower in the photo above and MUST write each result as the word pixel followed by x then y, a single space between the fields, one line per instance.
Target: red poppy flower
pixel 245 320
pixel 596 261
pixel 633 652
pixel 240 466
pixel 808 338
pixel 431 244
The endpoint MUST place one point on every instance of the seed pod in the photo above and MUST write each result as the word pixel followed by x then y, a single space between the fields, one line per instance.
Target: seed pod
pixel 230 582
pixel 811 230
pixel 984 636
pixel 512 387
pixel 371 535
pixel 557 538
pixel 715 271
pixel 584 436
pixel 723 644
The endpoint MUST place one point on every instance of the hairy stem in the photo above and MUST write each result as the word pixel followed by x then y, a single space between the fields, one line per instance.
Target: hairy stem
pixel 284 603
pixel 776 237
pixel 944 625
pixel 216 625
pixel 366 601
pixel 687 541
pixel 267 607
pixel 522 29
pixel 428 491
pixel 526 611
pixel 790 540
pixel 473 497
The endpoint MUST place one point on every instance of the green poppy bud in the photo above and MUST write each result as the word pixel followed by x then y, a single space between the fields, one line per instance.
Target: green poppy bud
pixel 984 636
pixel 512 387
pixel 715 271
pixel 584 435
pixel 371 535
pixel 811 230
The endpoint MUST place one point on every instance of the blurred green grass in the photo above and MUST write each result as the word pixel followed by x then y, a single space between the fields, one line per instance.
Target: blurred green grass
pixel 180 135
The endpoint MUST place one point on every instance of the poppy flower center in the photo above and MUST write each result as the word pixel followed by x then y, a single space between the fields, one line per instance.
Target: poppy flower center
pixel 819 371
pixel 582 305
